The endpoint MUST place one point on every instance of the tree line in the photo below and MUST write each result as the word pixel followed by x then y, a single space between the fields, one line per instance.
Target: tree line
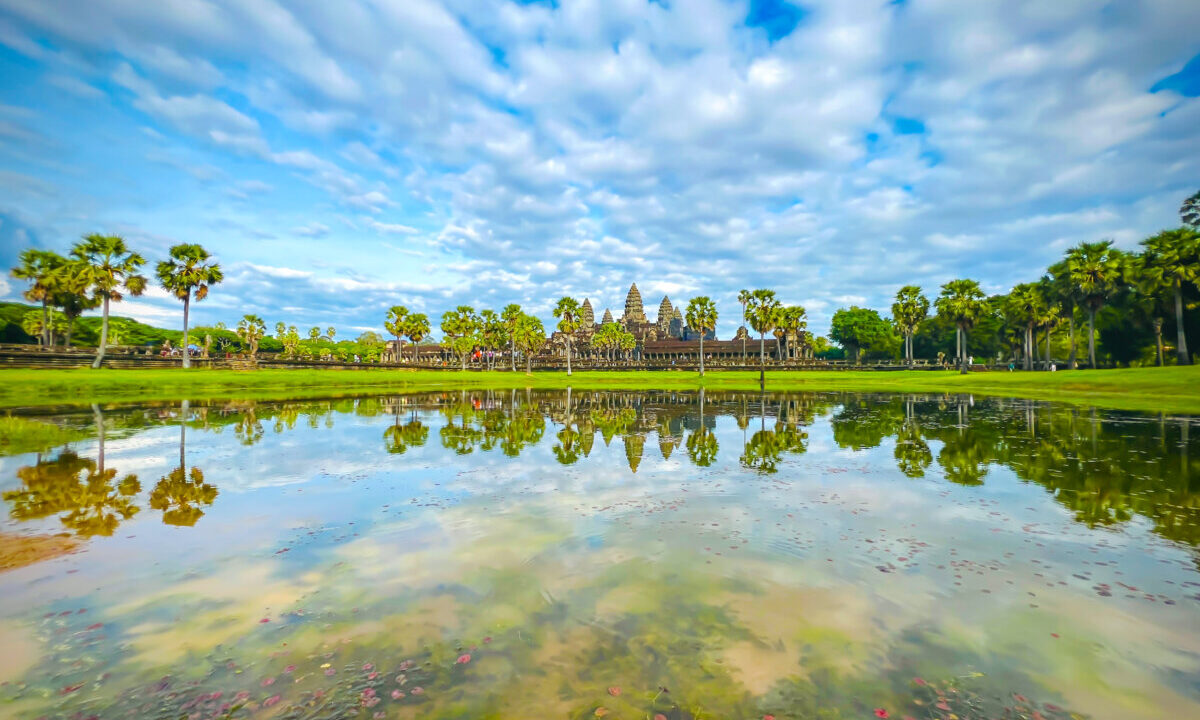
pixel 1121 298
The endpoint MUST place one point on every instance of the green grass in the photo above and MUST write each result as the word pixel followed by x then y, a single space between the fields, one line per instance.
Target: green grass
pixel 20 435
pixel 1171 389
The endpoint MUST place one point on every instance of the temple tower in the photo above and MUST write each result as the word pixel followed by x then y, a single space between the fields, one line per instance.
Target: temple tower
pixel 665 311
pixel 635 314
pixel 587 319
pixel 607 317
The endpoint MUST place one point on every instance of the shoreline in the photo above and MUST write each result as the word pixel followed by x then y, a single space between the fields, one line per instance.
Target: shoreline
pixel 1170 389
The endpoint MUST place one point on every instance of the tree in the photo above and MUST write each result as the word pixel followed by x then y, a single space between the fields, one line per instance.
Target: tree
pixel 1189 211
pixel 187 274
pixel 790 320
pixel 744 298
pixel 909 309
pixel 461 326
pixel 417 329
pixel 330 333
pixel 509 316
pixel 314 334
pixel 761 308
pixel 861 331
pixel 701 316
pixel 70 292
pixel 1066 294
pixel 1096 270
pixel 1024 307
pixel 251 329
pixel 40 268
pixel 109 269
pixel 567 312
pixel 961 302
pixel 493 333
pixel 529 337
pixel 1170 259
pixel 34 323
pixel 397 320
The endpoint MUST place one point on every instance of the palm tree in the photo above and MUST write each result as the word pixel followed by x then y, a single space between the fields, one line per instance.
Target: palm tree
pixel 397 319
pixel 40 268
pixel 529 336
pixel 961 301
pixel 910 308
pixel 761 309
pixel 1170 259
pixel 250 329
pixel 567 312
pixel 331 332
pixel 1189 211
pixel 108 267
pixel 461 326
pixel 1096 270
pixel 492 331
pixel 744 298
pixel 509 316
pixel 185 275
pixel 1024 306
pixel 701 317
pixel 70 292
pixel 790 320
pixel 417 329
pixel 1063 290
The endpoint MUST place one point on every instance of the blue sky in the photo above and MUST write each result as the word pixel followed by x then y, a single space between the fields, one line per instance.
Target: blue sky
pixel 339 158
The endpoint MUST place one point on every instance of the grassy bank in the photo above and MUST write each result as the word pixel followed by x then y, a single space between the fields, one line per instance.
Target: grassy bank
pixel 1172 389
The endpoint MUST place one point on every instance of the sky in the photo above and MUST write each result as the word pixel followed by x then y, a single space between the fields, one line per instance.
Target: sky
pixel 339 158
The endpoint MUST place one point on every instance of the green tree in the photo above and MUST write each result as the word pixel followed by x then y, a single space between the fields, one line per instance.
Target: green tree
pixel 251 329
pixel 701 316
pixel 461 327
pixel 187 274
pixel 908 311
pixel 961 302
pixel 1096 269
pixel 416 329
pixel 109 269
pixel 493 332
pixel 40 268
pixel 395 324
pixel 567 312
pixel 529 337
pixel 34 323
pixel 790 320
pixel 862 331
pixel 762 308
pixel 1170 259
pixel 1024 307
pixel 331 333
pixel 314 334
pixel 1063 291
pixel 510 315
pixel 70 292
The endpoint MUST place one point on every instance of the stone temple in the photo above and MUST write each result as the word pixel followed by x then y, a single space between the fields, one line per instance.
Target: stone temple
pixel 669 324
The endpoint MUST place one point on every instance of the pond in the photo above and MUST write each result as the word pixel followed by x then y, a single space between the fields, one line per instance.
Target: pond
pixel 604 554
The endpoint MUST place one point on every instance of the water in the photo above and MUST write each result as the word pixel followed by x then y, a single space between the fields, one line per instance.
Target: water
pixel 621 555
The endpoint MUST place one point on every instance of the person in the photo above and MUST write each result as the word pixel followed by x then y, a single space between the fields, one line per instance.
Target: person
pixel 1053 367
pixel 1010 365
pixel 970 360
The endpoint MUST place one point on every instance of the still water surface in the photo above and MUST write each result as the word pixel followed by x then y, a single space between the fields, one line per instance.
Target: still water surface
pixel 620 555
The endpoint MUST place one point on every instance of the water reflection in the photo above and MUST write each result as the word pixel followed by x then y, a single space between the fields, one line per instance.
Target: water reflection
pixel 788 555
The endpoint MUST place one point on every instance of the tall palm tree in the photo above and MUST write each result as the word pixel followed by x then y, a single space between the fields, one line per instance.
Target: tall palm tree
pixel 509 316
pixel 461 326
pixel 1096 269
pixel 910 308
pixel 330 332
pixel 396 321
pixel 761 310
pixel 744 298
pixel 567 312
pixel 701 317
pixel 529 336
pixel 70 292
pixel 187 274
pixel 109 269
pixel 1066 294
pixel 790 320
pixel 961 302
pixel 1170 259
pixel 1024 307
pixel 417 329
pixel 40 268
